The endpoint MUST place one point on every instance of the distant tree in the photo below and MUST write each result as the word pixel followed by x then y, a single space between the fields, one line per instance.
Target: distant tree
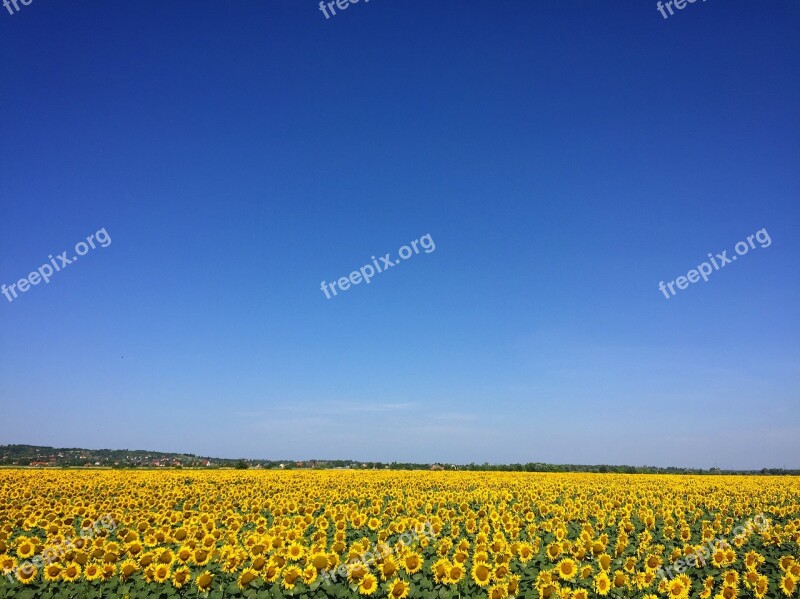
pixel 241 465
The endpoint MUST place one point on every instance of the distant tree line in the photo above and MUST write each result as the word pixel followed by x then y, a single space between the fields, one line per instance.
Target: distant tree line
pixel 25 455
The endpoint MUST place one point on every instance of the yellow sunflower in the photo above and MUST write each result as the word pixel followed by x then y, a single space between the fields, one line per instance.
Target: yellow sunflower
pixel 247 576
pixel 27 574
pixel 412 563
pixel 92 572
pixel 204 581
pixel 127 569
pixel 398 589
pixel 290 576
pixel 161 573
pixel 567 569
pixel 454 574
pixel 498 591
pixel 52 573
pixel 481 574
pixel 787 585
pixel 602 584
pixel 71 573
pixel 180 577
pixel 368 584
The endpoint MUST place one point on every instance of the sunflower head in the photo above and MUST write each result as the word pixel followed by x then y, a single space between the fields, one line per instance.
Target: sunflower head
pixel 368 584
pixel 398 589
pixel 204 581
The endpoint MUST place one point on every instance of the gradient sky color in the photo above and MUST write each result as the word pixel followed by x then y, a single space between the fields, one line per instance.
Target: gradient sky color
pixel 565 157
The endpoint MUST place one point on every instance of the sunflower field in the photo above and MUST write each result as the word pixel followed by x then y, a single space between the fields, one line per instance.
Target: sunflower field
pixel 395 534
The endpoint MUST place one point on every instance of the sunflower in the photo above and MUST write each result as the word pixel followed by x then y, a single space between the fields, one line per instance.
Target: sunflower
pixel 794 571
pixel 787 585
pixel 7 563
pixel 730 578
pixel 729 592
pixel 368 584
pixel 230 564
pixel 247 576
pixel 620 579
pixel 388 568
pixel 398 589
pixel 498 591
pixel 512 584
pixel 525 552
pixel 108 572
pixel 272 572
pixel 481 574
pixel 761 588
pixel 290 576
pixel 500 572
pixel 27 573
pixel 134 548
pixel 604 560
pixel 26 549
pixel 567 569
pixel 602 584
pixel 180 577
pixel 750 578
pixel 127 568
pixel 454 574
pixel 161 573
pixel 412 563
pixel 678 589
pixel 553 551
pixel 730 556
pixel 71 573
pixel 652 562
pixel 93 572
pixel 751 559
pixel 146 559
pixel 295 552
pixel 355 572
pixel 201 557
pixel 630 565
pixel 203 581
pixel 149 573
pixel 52 573
pixel 439 570
pixel 319 560
pixel 309 574
pixel 165 557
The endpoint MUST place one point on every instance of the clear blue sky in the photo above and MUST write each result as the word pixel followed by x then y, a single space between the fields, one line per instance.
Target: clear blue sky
pixel 565 157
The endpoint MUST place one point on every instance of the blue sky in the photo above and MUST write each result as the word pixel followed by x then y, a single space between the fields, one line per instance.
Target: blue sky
pixel 564 157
